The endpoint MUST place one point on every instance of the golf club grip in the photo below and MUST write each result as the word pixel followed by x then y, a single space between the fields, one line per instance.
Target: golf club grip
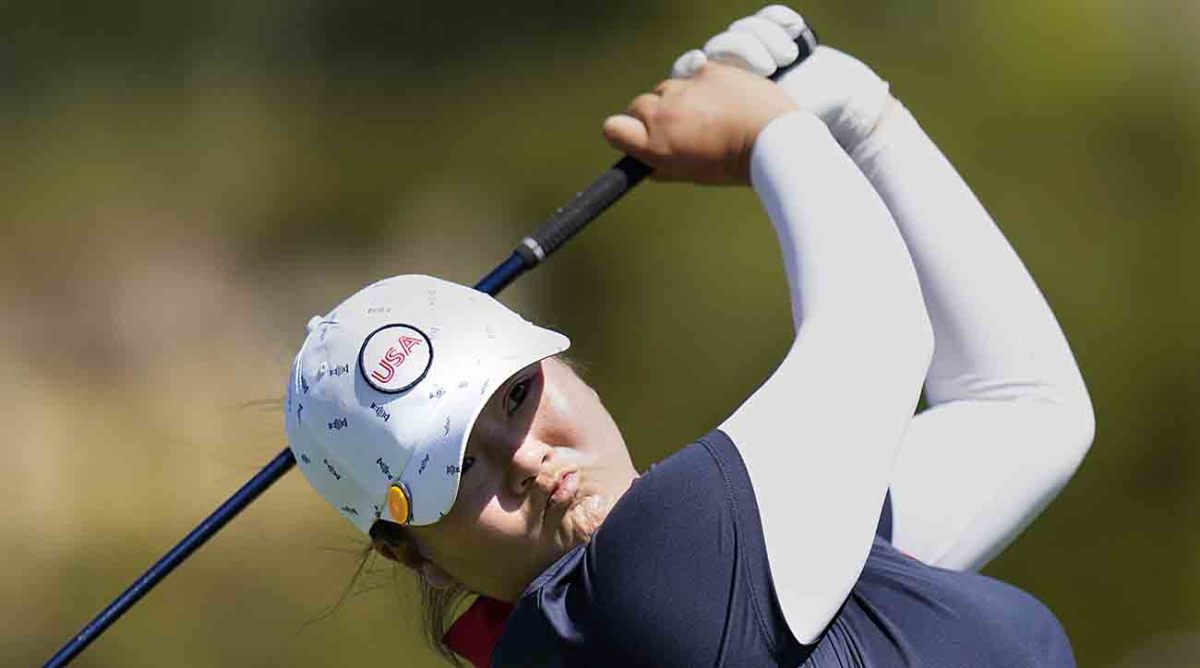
pixel 612 185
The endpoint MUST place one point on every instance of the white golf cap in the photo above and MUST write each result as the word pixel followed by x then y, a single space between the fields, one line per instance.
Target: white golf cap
pixel 386 388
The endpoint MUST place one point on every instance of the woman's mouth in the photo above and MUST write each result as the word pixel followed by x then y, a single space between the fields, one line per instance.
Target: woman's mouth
pixel 565 489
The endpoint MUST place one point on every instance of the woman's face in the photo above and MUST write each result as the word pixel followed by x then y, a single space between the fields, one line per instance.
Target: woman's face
pixel 544 429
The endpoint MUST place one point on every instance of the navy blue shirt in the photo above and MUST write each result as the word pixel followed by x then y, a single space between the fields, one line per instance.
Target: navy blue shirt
pixel 677 575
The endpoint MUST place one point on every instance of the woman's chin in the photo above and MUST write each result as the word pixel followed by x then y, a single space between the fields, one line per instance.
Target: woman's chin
pixel 583 518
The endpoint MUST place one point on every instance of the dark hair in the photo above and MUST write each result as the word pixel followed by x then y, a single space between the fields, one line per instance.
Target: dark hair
pixel 438 604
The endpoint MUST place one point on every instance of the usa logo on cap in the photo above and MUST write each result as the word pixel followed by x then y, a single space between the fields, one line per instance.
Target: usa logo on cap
pixel 395 357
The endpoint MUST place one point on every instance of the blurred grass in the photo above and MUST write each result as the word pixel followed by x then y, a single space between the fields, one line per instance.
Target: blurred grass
pixel 186 184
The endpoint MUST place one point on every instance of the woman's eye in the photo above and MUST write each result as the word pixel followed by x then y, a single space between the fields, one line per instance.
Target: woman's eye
pixel 516 396
pixel 467 462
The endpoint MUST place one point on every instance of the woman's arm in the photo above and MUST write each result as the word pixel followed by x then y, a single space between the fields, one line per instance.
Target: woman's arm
pixel 819 437
pixel 1010 418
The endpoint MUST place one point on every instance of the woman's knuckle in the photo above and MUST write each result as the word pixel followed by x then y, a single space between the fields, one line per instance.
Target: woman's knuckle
pixel 642 105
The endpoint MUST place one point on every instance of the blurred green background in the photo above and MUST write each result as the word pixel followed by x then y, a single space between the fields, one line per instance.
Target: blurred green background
pixel 184 184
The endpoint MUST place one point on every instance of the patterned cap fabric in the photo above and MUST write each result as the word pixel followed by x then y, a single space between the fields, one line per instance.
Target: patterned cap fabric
pixel 386 388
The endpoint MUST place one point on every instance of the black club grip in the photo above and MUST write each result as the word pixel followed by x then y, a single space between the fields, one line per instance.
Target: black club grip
pixel 619 179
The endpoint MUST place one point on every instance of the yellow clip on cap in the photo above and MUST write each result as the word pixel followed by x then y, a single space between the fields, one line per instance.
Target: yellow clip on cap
pixel 398 504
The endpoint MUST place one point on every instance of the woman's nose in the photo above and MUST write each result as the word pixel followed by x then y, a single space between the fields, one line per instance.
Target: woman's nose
pixel 527 462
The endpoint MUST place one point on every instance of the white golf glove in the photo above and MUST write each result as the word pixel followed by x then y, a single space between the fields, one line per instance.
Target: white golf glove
pixel 839 89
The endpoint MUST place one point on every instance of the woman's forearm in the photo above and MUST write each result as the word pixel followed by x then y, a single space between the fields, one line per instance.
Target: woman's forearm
pixel 819 437
pixel 1010 417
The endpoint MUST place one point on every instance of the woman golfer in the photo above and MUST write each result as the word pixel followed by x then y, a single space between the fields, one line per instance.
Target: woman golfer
pixel 443 425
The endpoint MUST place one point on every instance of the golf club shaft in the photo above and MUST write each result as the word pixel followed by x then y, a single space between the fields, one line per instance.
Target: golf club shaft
pixel 566 222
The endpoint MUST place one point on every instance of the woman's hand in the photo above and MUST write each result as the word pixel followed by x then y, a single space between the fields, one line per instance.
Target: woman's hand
pixel 699 129
pixel 838 88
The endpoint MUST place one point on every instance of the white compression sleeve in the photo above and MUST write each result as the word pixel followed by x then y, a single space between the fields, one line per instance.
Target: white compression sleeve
pixel 1009 418
pixel 820 435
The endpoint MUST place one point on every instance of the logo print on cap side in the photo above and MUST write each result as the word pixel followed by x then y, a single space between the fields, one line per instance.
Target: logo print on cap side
pixel 395 357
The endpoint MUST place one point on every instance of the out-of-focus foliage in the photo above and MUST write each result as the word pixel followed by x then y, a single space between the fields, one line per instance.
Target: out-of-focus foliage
pixel 185 183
